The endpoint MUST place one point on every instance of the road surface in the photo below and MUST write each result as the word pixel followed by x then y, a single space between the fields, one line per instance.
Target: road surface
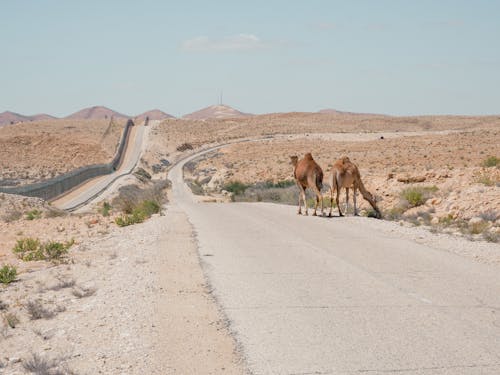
pixel 89 190
pixel 311 295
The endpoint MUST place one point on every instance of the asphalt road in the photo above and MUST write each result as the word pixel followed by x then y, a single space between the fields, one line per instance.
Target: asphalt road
pixel 311 295
pixel 89 190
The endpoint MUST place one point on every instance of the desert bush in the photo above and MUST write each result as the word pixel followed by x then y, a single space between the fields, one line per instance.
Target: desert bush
pixel 63 284
pixel 8 274
pixel 55 250
pixel 235 187
pixel 190 166
pixel 446 220
pixel 137 216
pixel 41 366
pixel 261 192
pixel 83 292
pixel 491 161
pixel 132 196
pixel 140 213
pixel 3 305
pixel 29 249
pixel 106 207
pixel 370 212
pixel 11 319
pixel 485 180
pixel 37 311
pixel 184 147
pixel 491 236
pixel 489 215
pixel 479 227
pixel 417 195
pixel 33 214
pixel 11 216
pixel 395 213
pixel 142 174
pixel 195 187
pixel 279 184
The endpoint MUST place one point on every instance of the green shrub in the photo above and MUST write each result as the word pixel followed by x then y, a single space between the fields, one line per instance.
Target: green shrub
pixel 140 213
pixel 149 207
pixel 29 249
pixel 235 187
pixel 55 250
pixel 106 207
pixel 417 195
pixel 8 274
pixel 491 161
pixel 33 214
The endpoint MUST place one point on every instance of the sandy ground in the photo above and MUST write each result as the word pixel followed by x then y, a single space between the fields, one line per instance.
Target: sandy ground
pixel 36 151
pixel 148 311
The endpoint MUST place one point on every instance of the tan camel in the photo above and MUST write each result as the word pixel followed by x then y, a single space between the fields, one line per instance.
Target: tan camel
pixel 345 174
pixel 308 174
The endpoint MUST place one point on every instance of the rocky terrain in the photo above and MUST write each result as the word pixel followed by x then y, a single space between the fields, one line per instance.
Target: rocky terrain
pixel 441 159
pixel 35 151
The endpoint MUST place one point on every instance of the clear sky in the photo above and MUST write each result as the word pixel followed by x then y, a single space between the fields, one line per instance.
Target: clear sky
pixel 396 57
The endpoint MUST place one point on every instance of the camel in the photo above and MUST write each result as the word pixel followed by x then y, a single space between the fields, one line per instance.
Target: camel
pixel 345 174
pixel 308 174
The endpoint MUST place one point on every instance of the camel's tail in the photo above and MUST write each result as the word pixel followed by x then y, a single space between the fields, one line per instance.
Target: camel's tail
pixel 369 197
pixel 319 180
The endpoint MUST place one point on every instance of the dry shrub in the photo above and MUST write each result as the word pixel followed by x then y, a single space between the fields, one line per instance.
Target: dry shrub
pixel 131 196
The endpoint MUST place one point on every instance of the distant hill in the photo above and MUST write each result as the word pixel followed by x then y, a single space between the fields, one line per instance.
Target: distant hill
pixel 42 117
pixel 217 112
pixel 96 112
pixel 8 117
pixel 332 111
pixel 154 114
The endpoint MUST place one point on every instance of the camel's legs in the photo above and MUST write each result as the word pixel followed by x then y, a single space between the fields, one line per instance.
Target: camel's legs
pixel 301 191
pixel 354 193
pixel 305 200
pixel 319 197
pixel 331 202
pixel 337 201
pixel 346 200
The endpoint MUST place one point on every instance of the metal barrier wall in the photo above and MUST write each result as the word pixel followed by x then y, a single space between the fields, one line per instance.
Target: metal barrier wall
pixel 58 185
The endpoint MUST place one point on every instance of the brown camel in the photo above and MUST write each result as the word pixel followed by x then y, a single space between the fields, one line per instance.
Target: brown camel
pixel 308 174
pixel 345 174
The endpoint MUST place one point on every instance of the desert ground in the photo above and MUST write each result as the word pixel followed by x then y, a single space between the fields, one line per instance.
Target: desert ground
pixel 35 151
pixel 109 269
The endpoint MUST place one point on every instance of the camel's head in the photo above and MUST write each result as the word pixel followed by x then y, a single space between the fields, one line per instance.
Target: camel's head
pixel 294 160
pixel 308 156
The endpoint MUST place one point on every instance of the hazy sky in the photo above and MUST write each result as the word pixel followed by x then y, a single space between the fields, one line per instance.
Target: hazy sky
pixel 394 57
